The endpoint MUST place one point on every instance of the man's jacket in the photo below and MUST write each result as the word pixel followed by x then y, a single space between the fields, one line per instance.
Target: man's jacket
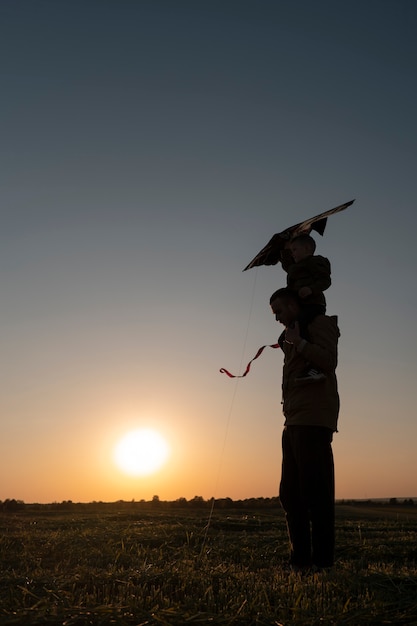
pixel 312 403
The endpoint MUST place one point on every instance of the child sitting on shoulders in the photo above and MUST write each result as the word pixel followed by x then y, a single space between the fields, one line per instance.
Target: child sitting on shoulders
pixel 308 275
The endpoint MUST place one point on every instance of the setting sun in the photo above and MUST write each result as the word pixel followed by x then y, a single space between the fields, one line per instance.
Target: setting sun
pixel 141 452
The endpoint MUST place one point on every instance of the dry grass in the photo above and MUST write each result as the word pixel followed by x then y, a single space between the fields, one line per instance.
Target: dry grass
pixel 135 568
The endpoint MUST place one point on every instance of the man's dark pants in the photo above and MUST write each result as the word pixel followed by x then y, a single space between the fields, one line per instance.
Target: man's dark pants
pixel 307 494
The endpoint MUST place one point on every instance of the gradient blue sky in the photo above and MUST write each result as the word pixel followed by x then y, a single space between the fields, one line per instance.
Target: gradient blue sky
pixel 149 150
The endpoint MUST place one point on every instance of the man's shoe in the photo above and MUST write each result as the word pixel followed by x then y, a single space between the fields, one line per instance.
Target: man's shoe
pixel 310 375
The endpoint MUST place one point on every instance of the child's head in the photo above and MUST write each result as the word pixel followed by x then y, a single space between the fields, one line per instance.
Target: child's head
pixel 301 247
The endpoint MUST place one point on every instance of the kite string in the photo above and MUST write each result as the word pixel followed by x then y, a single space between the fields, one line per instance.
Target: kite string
pixel 229 415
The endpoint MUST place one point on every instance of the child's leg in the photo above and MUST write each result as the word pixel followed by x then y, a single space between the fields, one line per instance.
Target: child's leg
pixel 307 314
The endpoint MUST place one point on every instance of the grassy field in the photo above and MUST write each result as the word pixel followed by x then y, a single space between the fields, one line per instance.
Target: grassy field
pixel 151 567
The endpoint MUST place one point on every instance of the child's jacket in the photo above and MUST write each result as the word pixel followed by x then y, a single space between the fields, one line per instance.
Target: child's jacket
pixel 313 272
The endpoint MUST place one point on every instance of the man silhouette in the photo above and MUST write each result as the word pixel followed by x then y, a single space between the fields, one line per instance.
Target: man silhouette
pixel 311 414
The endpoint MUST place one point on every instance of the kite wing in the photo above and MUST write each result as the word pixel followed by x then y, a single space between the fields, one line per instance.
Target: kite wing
pixel 271 253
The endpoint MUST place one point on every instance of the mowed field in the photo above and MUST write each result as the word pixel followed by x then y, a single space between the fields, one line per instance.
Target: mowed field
pixel 131 564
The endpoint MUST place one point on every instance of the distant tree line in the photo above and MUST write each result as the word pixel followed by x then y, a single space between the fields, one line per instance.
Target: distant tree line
pixel 380 502
pixel 197 502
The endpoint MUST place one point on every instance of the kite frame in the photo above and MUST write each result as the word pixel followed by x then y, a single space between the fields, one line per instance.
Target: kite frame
pixel 270 254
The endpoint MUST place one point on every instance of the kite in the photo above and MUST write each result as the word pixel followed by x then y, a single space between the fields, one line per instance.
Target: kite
pixel 271 253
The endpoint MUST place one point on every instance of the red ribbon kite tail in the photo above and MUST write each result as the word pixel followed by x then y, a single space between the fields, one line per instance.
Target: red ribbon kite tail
pixel 258 354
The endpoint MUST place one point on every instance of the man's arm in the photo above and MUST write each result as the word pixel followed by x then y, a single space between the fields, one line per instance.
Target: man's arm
pixel 321 349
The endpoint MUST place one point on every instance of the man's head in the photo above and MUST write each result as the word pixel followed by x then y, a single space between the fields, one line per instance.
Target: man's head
pixel 301 247
pixel 285 306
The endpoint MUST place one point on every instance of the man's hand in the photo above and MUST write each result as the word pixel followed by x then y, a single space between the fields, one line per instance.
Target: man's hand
pixel 292 335
pixel 304 292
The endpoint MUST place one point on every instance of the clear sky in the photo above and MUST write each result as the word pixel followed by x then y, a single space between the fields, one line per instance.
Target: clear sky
pixel 149 149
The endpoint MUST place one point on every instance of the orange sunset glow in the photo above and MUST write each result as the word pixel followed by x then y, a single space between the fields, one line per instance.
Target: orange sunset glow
pixel 149 153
